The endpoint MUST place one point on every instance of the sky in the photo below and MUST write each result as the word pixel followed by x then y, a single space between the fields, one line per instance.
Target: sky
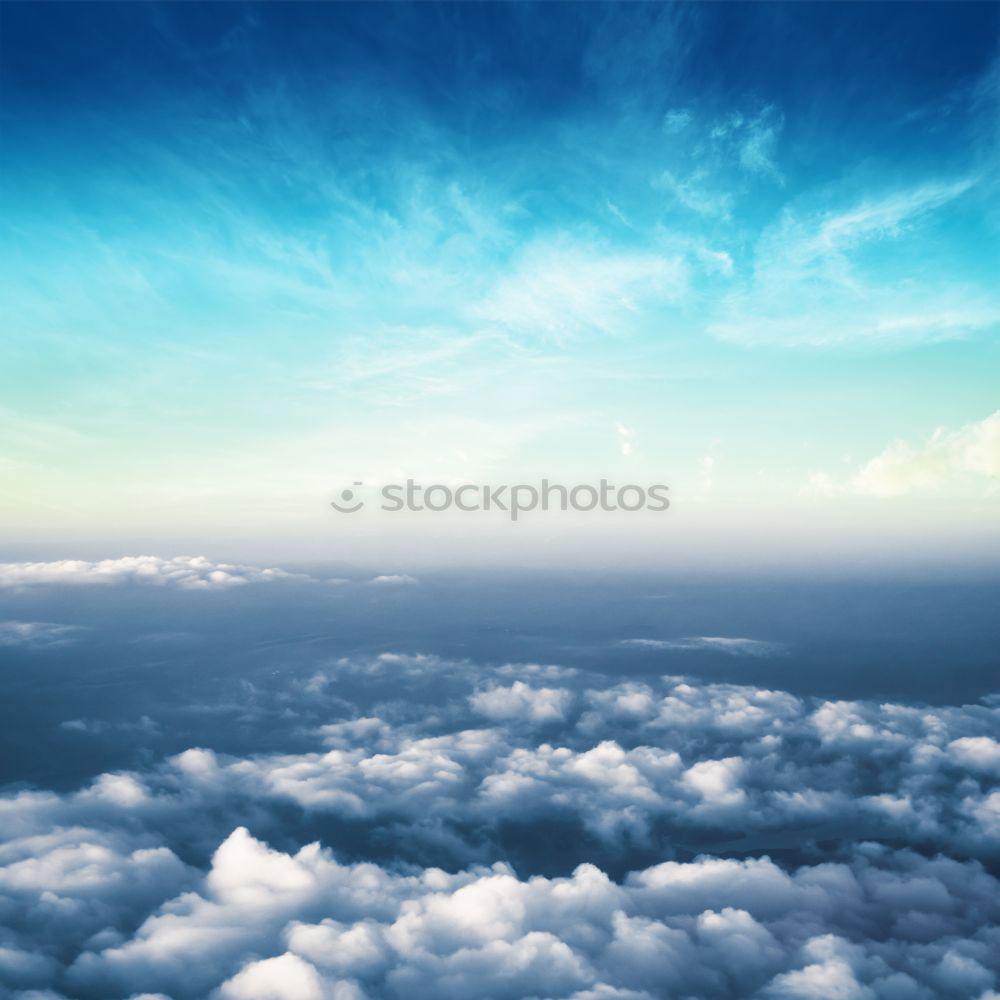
pixel 253 254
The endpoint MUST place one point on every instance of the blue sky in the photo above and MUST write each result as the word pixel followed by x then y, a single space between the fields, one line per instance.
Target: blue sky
pixel 255 253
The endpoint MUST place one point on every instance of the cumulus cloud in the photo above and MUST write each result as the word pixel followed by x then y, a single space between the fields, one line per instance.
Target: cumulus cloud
pixel 980 753
pixel 268 924
pixel 285 977
pixel 392 580
pixel 717 781
pixel 948 458
pixel 519 701
pixel 185 572
pixel 852 845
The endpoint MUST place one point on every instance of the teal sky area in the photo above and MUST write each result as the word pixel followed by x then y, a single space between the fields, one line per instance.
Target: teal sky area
pixel 252 254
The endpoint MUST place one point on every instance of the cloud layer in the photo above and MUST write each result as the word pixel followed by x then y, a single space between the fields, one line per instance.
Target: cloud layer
pixel 525 831
pixel 186 572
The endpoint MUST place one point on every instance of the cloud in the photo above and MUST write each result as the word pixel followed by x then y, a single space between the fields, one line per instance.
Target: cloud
pixel 949 458
pixel 835 874
pixel 267 924
pixel 753 138
pixel 184 572
pixel 717 781
pixel 980 753
pixel 758 144
pixel 693 194
pixel 557 289
pixel 714 643
pixel 707 188
pixel 285 977
pixel 815 283
pixel 719 261
pixel 879 217
pixel 676 120
pixel 626 439
pixel 181 572
pixel 756 766
pixel 38 634
pixel 519 701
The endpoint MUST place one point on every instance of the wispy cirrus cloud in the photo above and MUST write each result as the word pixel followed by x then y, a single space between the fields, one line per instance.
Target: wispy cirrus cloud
pixel 692 191
pixel 814 284
pixel 754 138
pixel 561 288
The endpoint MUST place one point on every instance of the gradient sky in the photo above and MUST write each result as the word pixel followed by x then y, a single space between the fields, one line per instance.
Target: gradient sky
pixel 251 254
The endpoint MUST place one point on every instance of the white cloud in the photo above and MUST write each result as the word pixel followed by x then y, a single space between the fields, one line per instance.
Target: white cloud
pixel 715 260
pixel 392 580
pixel 97 902
pixel 756 137
pixel 980 753
pixel 692 193
pixel 286 977
pixel 716 643
pixel 751 137
pixel 184 572
pixel 879 218
pixel 35 634
pixel 717 781
pixel 813 285
pixel 519 701
pixel 626 439
pixel 676 120
pixel 707 928
pixel 558 290
pixel 949 458
pixel 829 978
